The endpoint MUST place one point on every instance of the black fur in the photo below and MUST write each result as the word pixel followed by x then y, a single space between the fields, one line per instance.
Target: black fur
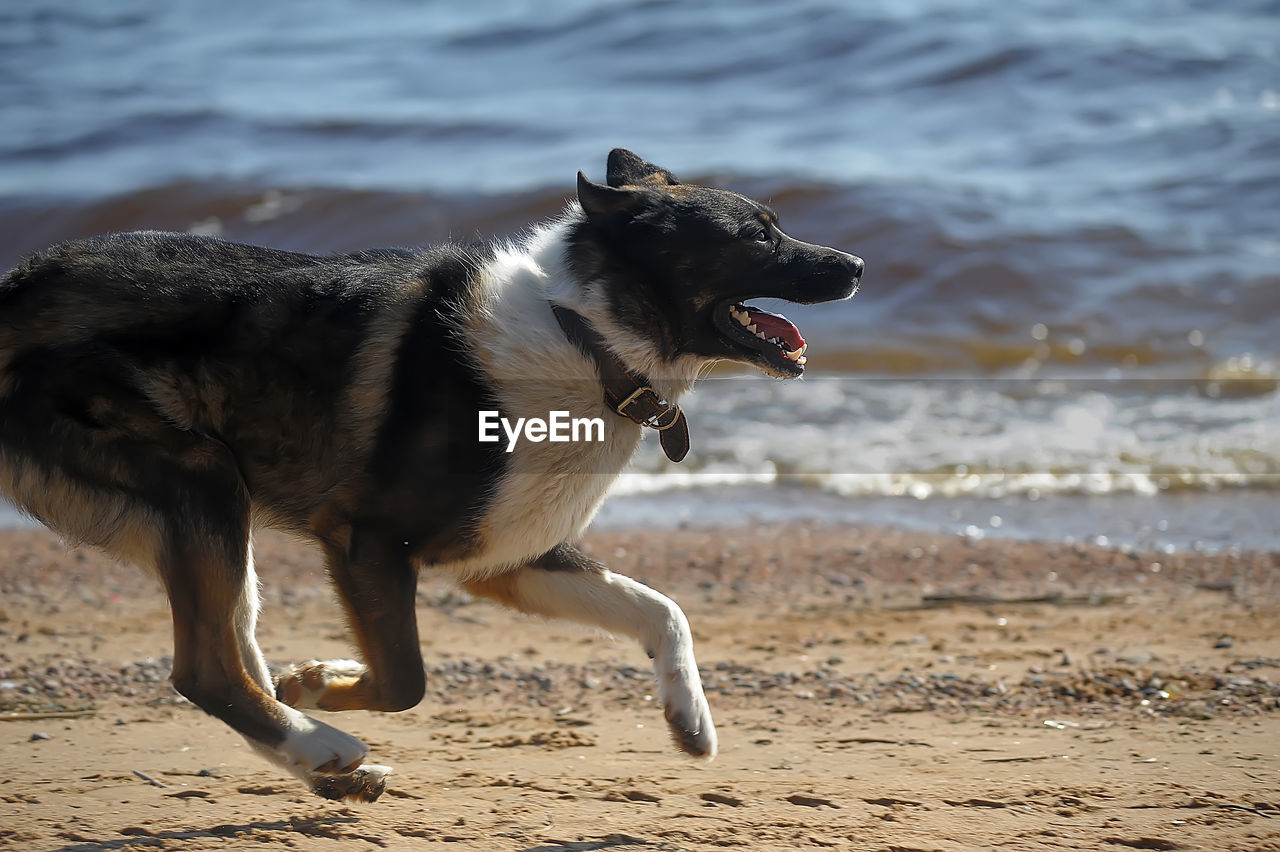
pixel 259 344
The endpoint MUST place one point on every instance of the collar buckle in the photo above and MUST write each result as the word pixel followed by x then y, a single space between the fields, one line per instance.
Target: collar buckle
pixel 645 407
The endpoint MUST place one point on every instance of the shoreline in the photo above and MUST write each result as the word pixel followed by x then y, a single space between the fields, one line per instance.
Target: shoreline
pixel 1226 522
pixel 1239 520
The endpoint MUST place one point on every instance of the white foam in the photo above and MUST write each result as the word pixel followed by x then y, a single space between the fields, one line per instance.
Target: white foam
pixel 969 438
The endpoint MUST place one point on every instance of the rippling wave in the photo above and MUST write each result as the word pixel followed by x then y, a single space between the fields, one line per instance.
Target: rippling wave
pixel 933 298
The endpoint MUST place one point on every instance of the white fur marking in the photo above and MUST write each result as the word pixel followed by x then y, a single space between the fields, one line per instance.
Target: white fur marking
pixel 314 746
pixel 551 490
pixel 326 759
pixel 622 605
pixel 245 624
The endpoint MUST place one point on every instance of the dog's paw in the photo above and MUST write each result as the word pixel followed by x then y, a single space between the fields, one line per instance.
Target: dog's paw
pixel 303 685
pixel 683 703
pixel 313 746
pixel 330 761
pixel 689 719
pixel 364 784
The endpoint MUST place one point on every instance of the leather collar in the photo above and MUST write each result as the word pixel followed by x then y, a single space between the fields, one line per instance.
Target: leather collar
pixel 626 393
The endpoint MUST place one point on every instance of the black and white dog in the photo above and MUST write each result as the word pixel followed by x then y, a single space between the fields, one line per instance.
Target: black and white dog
pixel 161 395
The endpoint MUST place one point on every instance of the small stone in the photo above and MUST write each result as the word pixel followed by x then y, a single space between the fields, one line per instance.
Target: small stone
pixel 38 736
pixel 1224 642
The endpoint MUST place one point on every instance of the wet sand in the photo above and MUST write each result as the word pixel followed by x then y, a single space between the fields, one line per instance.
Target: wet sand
pixel 873 689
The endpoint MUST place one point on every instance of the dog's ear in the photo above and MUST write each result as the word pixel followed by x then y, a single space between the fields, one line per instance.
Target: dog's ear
pixel 607 205
pixel 627 169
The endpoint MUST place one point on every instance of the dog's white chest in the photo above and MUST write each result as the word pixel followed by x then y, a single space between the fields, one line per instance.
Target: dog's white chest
pixel 548 495
pixel 552 491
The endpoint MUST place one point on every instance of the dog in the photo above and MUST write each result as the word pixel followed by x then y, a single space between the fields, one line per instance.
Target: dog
pixel 163 395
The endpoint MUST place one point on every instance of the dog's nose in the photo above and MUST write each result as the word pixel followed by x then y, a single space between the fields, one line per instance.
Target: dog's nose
pixel 840 261
pixel 855 266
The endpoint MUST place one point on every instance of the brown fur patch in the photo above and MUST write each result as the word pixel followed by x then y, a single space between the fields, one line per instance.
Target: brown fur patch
pixel 500 588
pixel 345 692
pixel 676 190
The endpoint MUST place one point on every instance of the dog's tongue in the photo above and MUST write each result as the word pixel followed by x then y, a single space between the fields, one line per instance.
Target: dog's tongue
pixel 776 325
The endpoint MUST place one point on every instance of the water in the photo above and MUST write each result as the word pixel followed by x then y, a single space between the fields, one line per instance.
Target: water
pixel 1068 212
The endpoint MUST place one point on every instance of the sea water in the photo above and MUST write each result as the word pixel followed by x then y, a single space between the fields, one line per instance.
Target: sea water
pixel 1070 318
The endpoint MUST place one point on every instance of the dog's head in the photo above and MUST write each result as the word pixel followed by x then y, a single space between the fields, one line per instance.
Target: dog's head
pixel 681 261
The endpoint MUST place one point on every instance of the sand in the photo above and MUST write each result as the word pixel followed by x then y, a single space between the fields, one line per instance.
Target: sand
pixel 873 690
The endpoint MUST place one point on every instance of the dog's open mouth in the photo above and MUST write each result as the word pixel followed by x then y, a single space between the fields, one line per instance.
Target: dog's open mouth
pixel 773 339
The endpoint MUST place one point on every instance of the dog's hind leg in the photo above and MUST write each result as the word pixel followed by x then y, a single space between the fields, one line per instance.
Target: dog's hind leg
pixel 84 450
pixel 206 568
pixel 566 584
pixel 377 584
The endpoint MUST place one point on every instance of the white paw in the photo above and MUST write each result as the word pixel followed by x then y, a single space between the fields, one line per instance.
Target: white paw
pixel 316 747
pixel 683 702
pixel 302 685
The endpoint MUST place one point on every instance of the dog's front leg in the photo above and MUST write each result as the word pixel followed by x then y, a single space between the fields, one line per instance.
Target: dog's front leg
pixel 566 584
pixel 376 582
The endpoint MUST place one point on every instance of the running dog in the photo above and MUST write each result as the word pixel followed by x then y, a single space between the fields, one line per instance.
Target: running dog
pixel 163 394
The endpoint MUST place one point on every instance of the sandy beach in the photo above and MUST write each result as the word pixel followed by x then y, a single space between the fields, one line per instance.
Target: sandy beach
pixel 873 689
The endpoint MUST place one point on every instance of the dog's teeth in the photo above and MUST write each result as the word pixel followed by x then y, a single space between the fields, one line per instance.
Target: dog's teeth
pixel 752 328
pixel 801 360
pixel 795 354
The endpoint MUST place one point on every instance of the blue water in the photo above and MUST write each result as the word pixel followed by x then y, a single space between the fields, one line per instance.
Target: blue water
pixel 1077 108
pixel 1068 210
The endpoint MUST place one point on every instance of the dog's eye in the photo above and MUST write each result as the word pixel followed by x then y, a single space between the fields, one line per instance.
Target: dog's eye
pixel 762 236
